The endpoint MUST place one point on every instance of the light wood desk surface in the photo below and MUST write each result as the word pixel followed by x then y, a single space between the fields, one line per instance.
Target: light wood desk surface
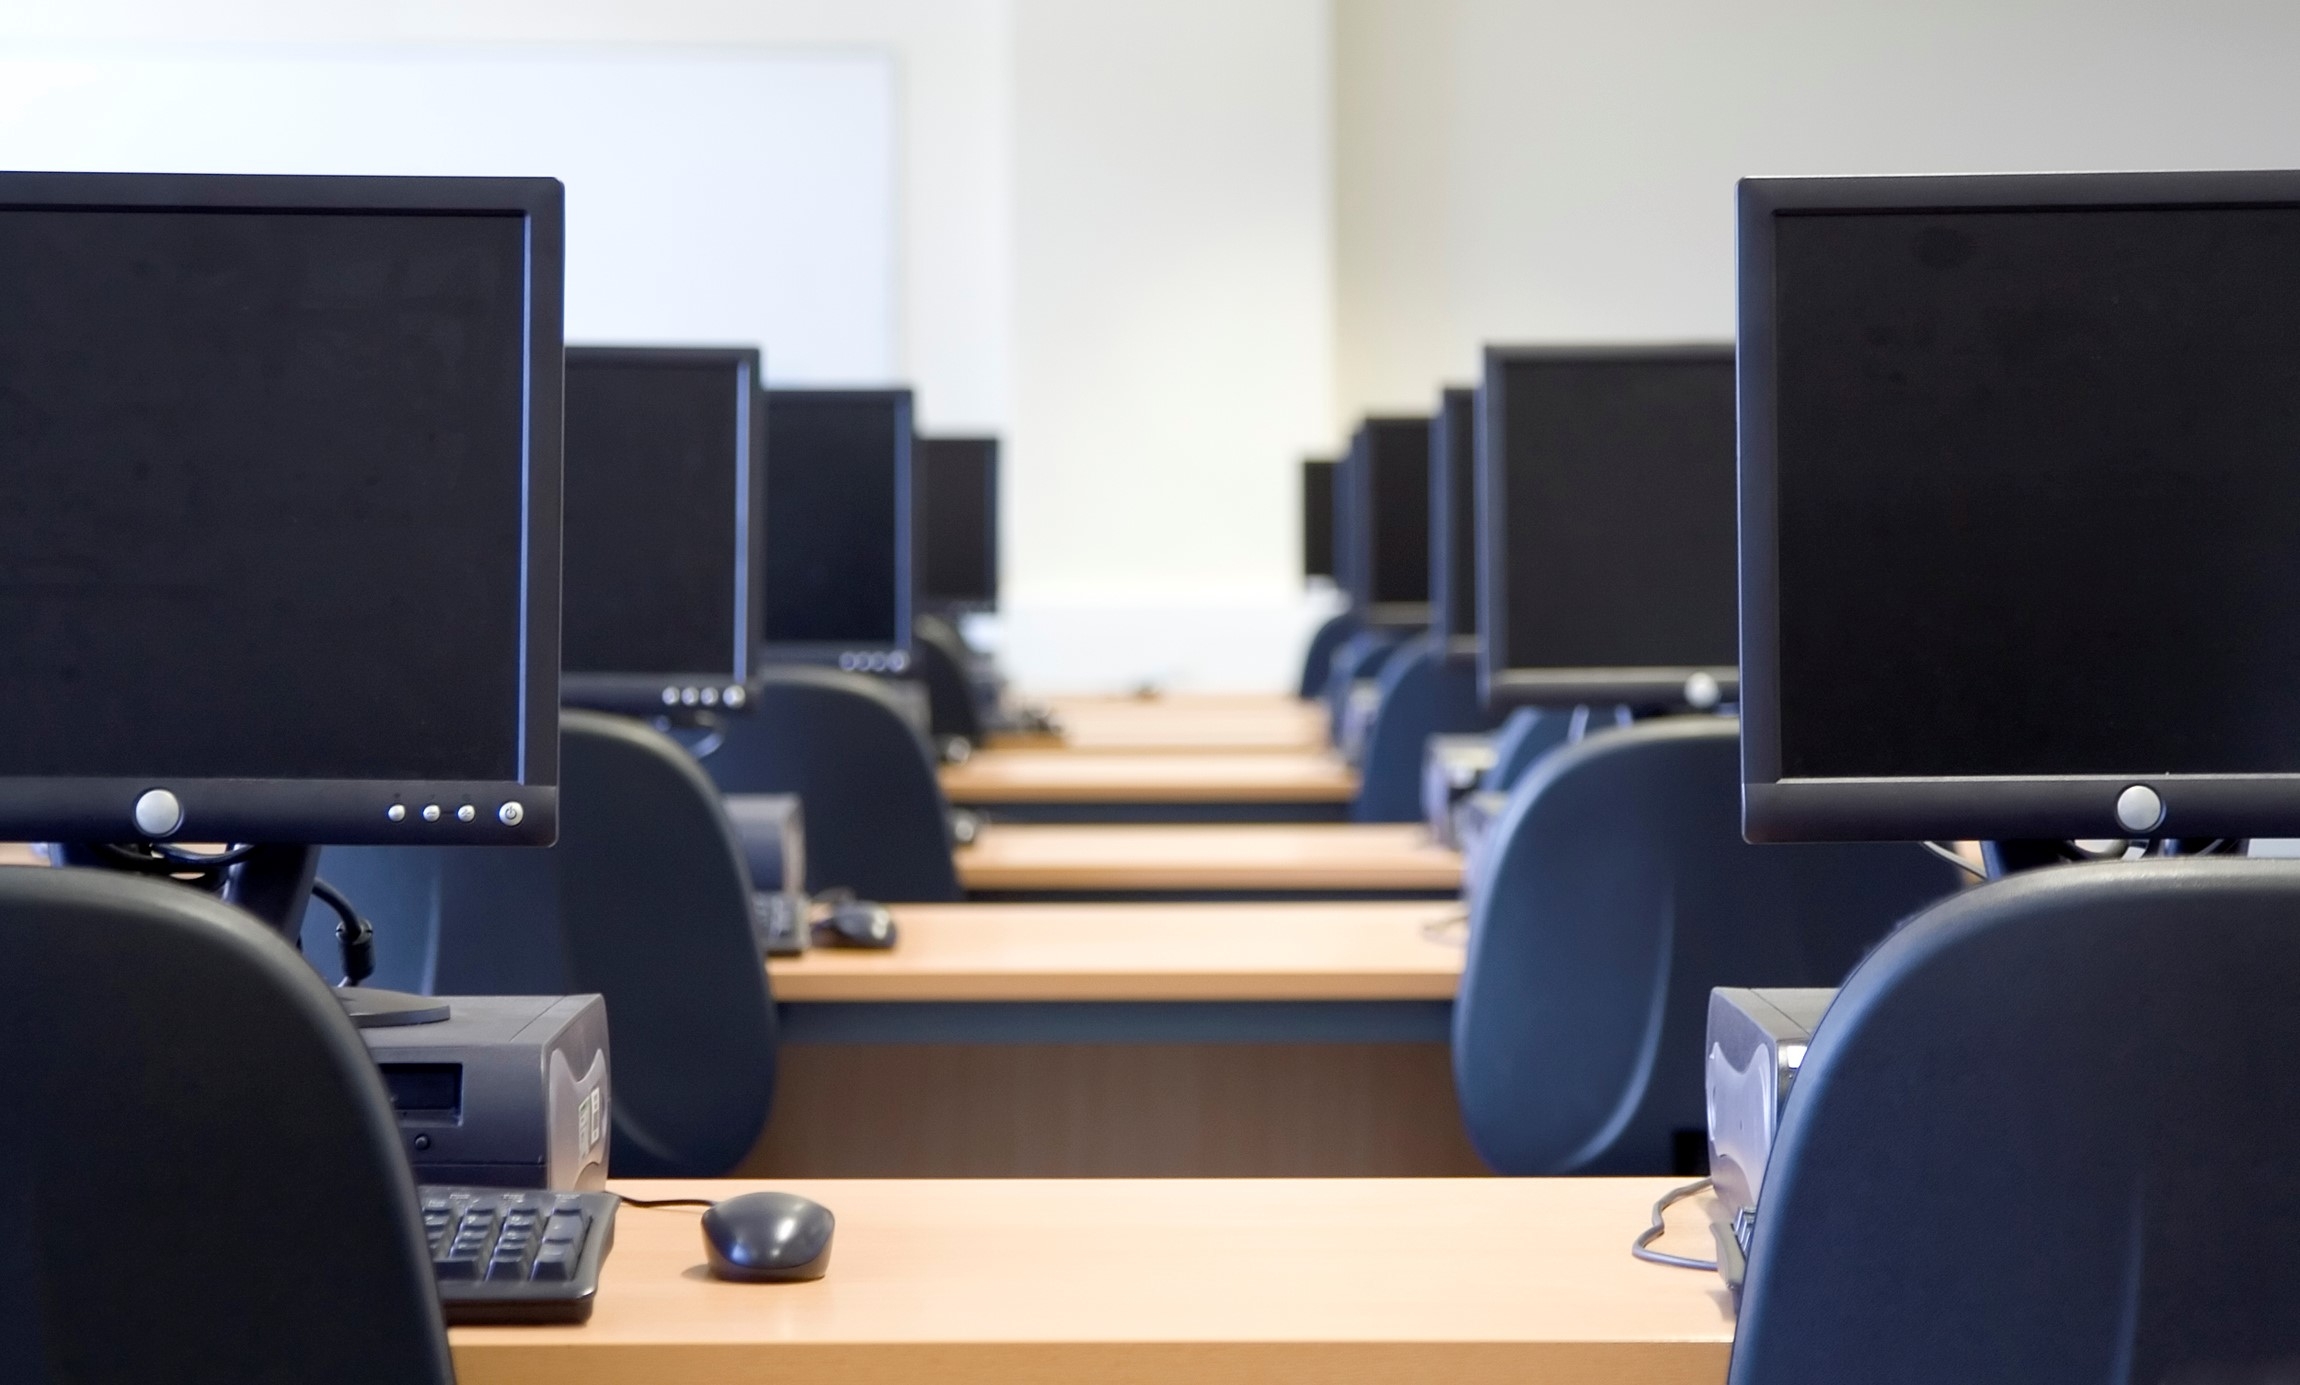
pixel 1216 722
pixel 1348 950
pixel 1071 776
pixel 1011 856
pixel 999 1281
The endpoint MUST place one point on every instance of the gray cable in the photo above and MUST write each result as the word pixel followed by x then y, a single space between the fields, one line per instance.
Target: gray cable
pixel 1949 854
pixel 1642 1246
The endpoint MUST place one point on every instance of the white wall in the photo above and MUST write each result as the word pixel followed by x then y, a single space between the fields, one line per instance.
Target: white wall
pixel 1537 170
pixel 713 195
pixel 1173 328
pixel 949 292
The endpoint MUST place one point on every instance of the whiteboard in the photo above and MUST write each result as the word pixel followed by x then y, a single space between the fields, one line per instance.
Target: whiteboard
pixel 730 196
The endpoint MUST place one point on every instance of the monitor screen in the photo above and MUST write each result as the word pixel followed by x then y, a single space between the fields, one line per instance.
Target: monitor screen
pixel 957 484
pixel 1390 473
pixel 1607 495
pixel 2029 446
pixel 1317 519
pixel 1453 515
pixel 276 452
pixel 661 451
pixel 838 527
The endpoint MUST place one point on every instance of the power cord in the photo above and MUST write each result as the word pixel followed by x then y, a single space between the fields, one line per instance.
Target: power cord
pixel 1642 1247
pixel 353 933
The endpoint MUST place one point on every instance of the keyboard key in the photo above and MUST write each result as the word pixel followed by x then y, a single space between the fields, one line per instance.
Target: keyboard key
pixel 564 1227
pixel 555 1262
pixel 456 1266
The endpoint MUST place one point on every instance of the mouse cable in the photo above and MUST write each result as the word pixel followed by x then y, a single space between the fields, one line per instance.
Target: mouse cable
pixel 652 1202
pixel 1642 1247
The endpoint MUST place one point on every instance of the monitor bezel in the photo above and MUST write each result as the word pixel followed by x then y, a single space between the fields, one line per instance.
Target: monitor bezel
pixel 1457 404
pixel 518 811
pixel 985 601
pixel 1500 683
pixel 866 657
pixel 1312 466
pixel 2046 807
pixel 1395 616
pixel 676 692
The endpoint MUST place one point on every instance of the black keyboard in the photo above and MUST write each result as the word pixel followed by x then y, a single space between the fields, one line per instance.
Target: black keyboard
pixel 508 1255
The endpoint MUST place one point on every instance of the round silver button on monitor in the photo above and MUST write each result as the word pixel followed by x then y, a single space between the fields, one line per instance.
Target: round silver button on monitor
pixel 2139 809
pixel 397 812
pixel 510 813
pixel 158 813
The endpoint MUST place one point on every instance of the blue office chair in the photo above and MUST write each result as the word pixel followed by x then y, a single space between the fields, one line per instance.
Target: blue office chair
pixel 1359 659
pixel 1619 892
pixel 201 1179
pixel 2046 1134
pixel 1427 690
pixel 877 822
pixel 1526 734
pixel 1318 662
pixel 645 900
pixel 942 664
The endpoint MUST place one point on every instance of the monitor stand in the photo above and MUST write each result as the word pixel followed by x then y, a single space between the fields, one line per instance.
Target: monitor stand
pixel 2011 857
pixel 273 883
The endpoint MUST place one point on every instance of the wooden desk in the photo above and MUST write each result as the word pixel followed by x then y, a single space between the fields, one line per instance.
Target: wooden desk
pixel 1272 722
pixel 1125 1041
pixel 1374 950
pixel 1002 1281
pixel 1395 858
pixel 995 777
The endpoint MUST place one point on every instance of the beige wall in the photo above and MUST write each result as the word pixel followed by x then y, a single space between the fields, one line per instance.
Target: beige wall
pixel 1173 331
pixel 1538 170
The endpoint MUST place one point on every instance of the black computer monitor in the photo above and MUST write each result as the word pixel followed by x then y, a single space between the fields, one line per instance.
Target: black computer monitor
pixel 1345 521
pixel 664 516
pixel 1453 517
pixel 279 553
pixel 1317 520
pixel 838 569
pixel 1389 479
pixel 1605 491
pixel 956 481
pixel 2020 506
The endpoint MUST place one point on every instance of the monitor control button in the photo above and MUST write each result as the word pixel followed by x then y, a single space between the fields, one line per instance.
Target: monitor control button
pixel 734 695
pixel 1702 692
pixel 158 813
pixel 397 812
pixel 431 812
pixel 511 814
pixel 466 813
pixel 670 697
pixel 2139 809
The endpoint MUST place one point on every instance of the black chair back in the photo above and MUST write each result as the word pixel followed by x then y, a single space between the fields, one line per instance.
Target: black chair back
pixel 2046 1134
pixel 877 822
pixel 201 1178
pixel 1617 895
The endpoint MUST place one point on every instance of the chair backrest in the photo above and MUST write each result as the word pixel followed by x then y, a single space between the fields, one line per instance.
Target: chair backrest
pixel 1360 657
pixel 1617 894
pixel 2046 1134
pixel 1318 660
pixel 645 900
pixel 1427 691
pixel 939 660
pixel 201 1178
pixel 877 822
pixel 1526 734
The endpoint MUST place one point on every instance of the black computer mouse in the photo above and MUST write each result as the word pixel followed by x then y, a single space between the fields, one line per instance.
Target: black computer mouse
pixel 858 923
pixel 765 1237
